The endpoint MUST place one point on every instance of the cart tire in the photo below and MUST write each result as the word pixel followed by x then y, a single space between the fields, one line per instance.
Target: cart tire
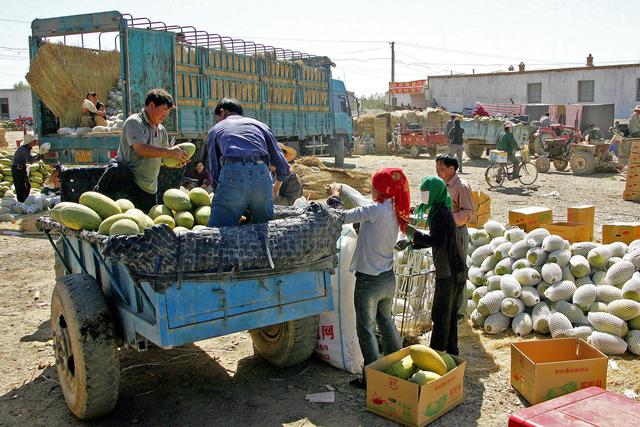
pixel 543 164
pixel 414 151
pixel 286 344
pixel 473 151
pixel 582 164
pixel 85 347
pixel 560 165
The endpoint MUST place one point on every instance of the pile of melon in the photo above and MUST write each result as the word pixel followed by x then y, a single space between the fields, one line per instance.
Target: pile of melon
pixel 181 211
pixel 39 172
pixel 538 282
pixel 422 365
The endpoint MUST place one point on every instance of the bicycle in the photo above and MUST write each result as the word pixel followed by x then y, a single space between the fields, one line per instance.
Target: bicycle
pixel 496 173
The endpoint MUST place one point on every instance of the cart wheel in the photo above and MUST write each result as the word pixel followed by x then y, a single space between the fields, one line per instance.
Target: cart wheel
pixel 560 165
pixel 84 344
pixel 286 344
pixel 414 151
pixel 543 164
pixel 582 164
pixel 473 151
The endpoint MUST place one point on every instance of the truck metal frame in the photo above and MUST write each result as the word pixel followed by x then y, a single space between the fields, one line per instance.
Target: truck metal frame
pixel 291 91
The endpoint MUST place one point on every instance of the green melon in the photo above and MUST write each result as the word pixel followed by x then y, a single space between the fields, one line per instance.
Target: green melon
pixel 202 215
pixel 165 219
pixel 55 211
pixel 158 210
pixel 176 200
pixel 106 224
pixel 141 218
pixel 180 229
pixel 124 227
pixel 125 204
pixel 105 206
pixel 199 227
pixel 199 197
pixel 190 148
pixel 184 219
pixel 79 217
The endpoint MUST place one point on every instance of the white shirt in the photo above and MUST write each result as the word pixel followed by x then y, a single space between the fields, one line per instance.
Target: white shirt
pixel 378 233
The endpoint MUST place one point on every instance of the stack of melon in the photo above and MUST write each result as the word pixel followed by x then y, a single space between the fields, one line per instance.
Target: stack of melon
pixel 423 365
pixel 539 282
pixel 181 211
pixel 6 179
pixel 39 173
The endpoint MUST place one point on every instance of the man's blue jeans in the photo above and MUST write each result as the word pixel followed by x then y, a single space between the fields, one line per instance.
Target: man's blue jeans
pixel 373 300
pixel 243 188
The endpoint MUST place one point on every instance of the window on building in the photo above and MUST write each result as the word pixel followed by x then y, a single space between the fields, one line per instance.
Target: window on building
pixel 637 89
pixel 4 108
pixel 534 93
pixel 585 90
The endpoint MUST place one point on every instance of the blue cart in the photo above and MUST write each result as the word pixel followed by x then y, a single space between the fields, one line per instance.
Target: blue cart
pixel 99 305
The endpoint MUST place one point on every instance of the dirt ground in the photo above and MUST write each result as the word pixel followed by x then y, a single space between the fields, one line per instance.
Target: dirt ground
pixel 220 381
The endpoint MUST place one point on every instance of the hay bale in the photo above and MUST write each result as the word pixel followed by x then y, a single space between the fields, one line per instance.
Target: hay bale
pixel 315 177
pixel 62 75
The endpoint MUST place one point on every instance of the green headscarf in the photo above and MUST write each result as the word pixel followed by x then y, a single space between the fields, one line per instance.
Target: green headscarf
pixel 438 194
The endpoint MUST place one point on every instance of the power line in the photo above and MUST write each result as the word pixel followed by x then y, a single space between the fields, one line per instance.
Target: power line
pixel 14 20
pixel 317 40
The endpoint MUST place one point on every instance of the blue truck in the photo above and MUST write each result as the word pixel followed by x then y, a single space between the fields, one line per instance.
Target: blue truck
pixel 291 91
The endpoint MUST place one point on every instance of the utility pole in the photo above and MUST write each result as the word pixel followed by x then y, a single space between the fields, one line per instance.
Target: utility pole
pixel 393 72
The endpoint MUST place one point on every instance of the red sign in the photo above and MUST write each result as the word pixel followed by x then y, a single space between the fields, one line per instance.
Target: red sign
pixel 415 87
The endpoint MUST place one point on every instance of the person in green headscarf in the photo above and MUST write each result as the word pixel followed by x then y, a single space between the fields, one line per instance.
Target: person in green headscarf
pixel 448 259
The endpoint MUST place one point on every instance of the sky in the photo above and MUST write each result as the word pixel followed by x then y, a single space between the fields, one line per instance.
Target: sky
pixel 431 37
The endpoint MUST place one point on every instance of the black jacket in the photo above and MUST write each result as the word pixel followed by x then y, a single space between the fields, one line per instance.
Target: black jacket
pixel 445 241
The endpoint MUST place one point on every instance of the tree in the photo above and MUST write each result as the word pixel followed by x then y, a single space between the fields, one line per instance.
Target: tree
pixel 373 102
pixel 21 86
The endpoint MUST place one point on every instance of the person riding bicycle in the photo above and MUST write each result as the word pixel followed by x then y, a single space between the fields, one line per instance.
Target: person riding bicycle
pixel 507 142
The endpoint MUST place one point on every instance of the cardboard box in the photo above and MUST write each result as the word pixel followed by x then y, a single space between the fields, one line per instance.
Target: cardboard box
pixel 584 214
pixel 545 369
pixel 592 406
pixel 481 209
pixel 631 196
pixel 409 403
pixel 625 232
pixel 530 218
pixel 572 231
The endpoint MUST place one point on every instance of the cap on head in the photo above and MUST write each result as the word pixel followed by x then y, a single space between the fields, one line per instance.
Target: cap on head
pixel 29 138
pixel 637 108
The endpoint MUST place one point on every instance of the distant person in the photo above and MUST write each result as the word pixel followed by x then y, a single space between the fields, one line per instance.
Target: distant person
pixel 479 111
pixel 456 146
pixel 200 177
pixel 91 116
pixel 507 142
pixel 291 188
pixel 21 159
pixel 545 120
pixel 434 103
pixel 634 123
pixel 449 126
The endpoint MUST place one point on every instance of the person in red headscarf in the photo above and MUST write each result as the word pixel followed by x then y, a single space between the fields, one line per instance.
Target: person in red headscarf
pixel 380 220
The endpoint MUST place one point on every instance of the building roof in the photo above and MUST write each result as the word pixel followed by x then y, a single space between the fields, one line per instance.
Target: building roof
pixel 546 70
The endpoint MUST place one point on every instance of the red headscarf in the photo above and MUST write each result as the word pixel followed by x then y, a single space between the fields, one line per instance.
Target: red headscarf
pixel 392 184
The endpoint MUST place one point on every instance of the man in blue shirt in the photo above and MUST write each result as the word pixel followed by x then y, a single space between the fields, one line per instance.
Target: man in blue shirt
pixel 240 152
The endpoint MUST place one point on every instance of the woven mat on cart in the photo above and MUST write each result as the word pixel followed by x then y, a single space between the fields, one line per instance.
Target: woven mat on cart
pixel 415 285
pixel 297 237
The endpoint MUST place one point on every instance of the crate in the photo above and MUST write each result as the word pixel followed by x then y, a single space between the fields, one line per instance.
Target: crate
pixel 531 217
pixel 571 231
pixel 481 209
pixel 584 214
pixel 625 232
pixel 498 156
pixel 631 196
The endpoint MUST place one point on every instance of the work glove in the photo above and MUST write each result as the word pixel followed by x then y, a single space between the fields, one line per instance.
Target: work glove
pixel 402 245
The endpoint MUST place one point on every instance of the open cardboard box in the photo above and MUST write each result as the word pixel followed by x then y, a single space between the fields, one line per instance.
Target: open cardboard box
pixel 545 369
pixel 409 403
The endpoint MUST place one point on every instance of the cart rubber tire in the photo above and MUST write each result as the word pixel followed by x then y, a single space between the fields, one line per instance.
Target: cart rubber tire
pixel 543 164
pixel 339 152
pixel 286 344
pixel 582 164
pixel 414 151
pixel 473 151
pixel 560 165
pixel 85 346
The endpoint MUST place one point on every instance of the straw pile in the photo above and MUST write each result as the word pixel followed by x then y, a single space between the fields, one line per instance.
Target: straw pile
pixel 364 125
pixel 315 177
pixel 62 75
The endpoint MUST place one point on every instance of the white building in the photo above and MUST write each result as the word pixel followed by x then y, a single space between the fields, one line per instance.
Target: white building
pixel 606 84
pixel 14 103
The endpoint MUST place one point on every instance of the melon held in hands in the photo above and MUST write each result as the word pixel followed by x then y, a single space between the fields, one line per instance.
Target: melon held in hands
pixel 188 147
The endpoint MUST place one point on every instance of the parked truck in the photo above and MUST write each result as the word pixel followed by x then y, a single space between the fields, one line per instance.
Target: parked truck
pixel 292 92
pixel 482 134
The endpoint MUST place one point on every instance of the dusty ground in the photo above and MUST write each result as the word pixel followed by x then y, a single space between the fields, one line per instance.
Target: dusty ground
pixel 221 382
